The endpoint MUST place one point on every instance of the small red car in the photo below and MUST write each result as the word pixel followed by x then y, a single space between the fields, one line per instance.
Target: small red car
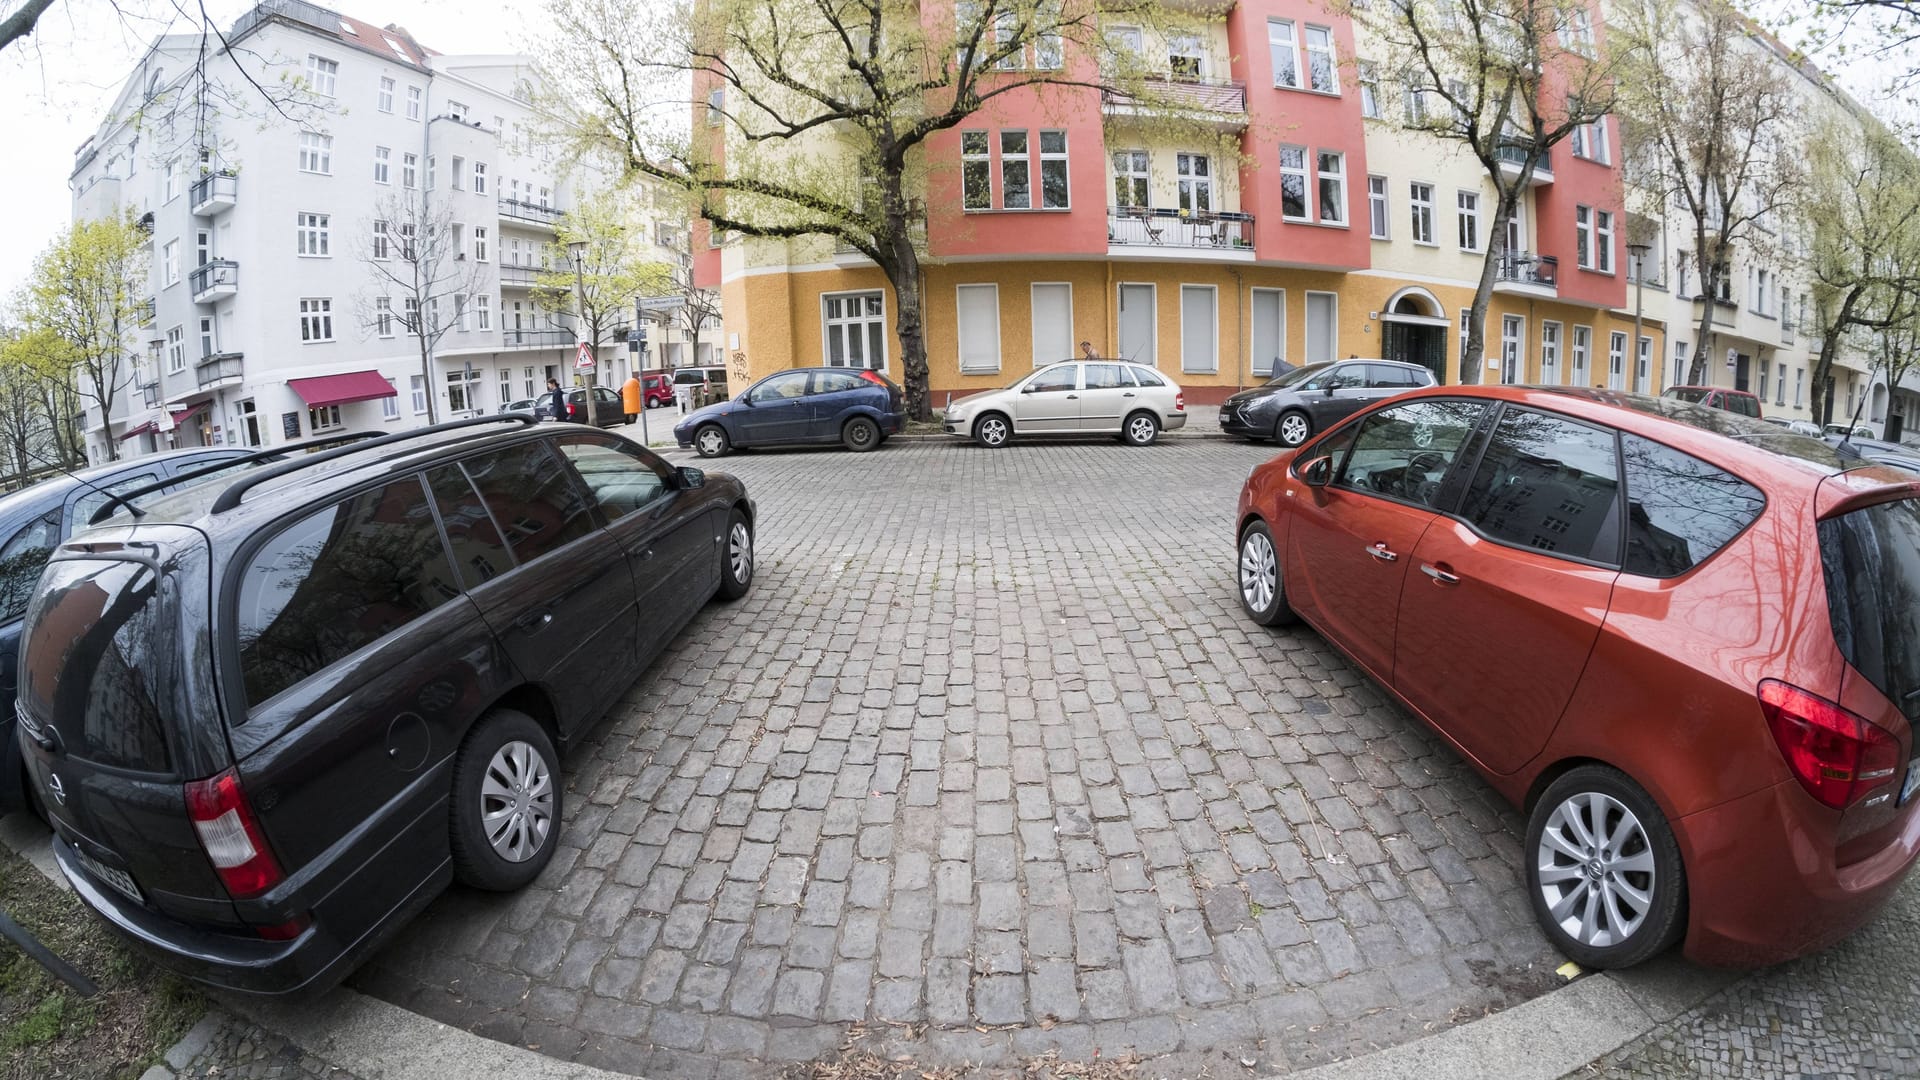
pixel 656 389
pixel 1683 642
pixel 1716 397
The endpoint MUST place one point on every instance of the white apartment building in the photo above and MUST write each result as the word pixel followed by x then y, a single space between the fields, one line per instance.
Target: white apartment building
pixel 267 325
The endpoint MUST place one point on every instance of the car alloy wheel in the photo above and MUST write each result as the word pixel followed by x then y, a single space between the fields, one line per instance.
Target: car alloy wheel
pixel 736 576
pixel 710 441
pixel 1596 869
pixel 516 802
pixel 1259 570
pixel 1294 429
pixel 1141 429
pixel 991 431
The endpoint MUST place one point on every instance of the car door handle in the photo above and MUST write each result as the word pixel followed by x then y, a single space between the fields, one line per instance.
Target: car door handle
pixel 1439 575
pixel 1127 394
pixel 533 620
pixel 647 554
pixel 1073 397
pixel 1379 551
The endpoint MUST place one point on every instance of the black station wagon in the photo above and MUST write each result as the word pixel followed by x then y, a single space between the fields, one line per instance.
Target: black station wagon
pixel 273 716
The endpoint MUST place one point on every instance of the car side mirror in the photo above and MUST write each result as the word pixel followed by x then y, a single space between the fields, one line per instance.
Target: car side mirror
pixel 1318 471
pixel 1329 390
pixel 691 477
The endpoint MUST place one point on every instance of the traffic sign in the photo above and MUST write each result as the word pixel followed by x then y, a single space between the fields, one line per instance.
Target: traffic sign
pixel 583 357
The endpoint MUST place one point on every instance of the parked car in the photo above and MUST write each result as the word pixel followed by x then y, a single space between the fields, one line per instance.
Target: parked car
pixel 32 523
pixel 1839 431
pixel 1898 455
pixel 607 411
pixel 1291 407
pixel 1713 397
pixel 656 388
pixel 1687 657
pixel 532 405
pixel 1076 397
pixel 1797 427
pixel 854 407
pixel 272 717
pixel 713 378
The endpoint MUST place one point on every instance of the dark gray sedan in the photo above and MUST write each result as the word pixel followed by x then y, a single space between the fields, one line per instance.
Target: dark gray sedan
pixel 1291 408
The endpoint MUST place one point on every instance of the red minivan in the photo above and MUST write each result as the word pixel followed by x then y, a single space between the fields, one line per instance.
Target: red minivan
pixel 1682 641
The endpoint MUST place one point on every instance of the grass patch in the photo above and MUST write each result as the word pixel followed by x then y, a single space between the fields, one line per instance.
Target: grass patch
pixel 49 1031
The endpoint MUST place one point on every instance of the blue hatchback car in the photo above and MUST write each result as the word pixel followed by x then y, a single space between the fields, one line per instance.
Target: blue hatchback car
pixel 854 407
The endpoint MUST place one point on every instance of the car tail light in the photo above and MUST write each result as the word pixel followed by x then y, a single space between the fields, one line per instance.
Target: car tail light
pixel 285 931
pixel 231 835
pixel 1180 401
pixel 872 376
pixel 1836 755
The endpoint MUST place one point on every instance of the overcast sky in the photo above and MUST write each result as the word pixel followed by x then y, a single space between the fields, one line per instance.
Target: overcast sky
pixel 57 85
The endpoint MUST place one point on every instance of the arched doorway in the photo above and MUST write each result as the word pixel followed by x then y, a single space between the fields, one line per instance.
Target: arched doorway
pixel 1413 330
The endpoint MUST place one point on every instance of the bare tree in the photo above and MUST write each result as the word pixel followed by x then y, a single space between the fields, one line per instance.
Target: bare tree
pixel 1507 81
pixel 1711 112
pixel 683 304
pixel 21 21
pixel 419 280
pixel 86 290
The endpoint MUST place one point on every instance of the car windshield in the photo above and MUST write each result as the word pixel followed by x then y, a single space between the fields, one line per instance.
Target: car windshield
pixel 1298 375
pixel 1686 393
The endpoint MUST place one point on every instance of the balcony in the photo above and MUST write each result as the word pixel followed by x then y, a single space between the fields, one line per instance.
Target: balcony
pixel 536 339
pixel 1652 279
pixel 213 280
pixel 1220 102
pixel 145 224
pixel 1529 272
pixel 519 277
pixel 1140 228
pixel 147 311
pixel 149 394
pixel 1512 155
pixel 213 193
pixel 218 369
pixel 531 213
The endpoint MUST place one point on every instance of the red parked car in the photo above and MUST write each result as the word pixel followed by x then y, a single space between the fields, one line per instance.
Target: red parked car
pixel 1683 642
pixel 656 389
pixel 1715 397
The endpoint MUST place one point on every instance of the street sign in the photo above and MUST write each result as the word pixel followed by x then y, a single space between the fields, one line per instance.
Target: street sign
pixel 583 357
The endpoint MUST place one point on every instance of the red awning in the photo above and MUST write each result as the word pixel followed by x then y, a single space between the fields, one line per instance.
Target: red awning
pixel 180 416
pixel 342 389
pixel 147 428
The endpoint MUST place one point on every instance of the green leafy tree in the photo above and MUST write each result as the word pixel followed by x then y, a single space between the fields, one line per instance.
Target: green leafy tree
pixel 614 269
pixel 86 290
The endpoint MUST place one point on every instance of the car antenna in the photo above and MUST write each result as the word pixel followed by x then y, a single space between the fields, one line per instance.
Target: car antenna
pixel 1847 439
pixel 88 484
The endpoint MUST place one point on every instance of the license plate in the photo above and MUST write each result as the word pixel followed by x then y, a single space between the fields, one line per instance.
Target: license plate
pixel 119 880
pixel 1913 783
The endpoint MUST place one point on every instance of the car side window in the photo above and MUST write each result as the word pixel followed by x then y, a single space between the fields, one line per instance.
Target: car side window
pixel 1383 376
pixel 1548 483
pixel 1404 452
pixel 1064 377
pixel 835 382
pixel 784 387
pixel 532 498
pixel 1147 377
pixel 336 581
pixel 1680 510
pixel 21 559
pixel 1104 377
pixel 621 479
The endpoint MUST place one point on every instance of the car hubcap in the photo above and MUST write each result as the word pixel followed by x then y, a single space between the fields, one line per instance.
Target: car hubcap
pixel 862 435
pixel 710 442
pixel 1259 575
pixel 1293 429
pixel 1596 869
pixel 516 802
pixel 740 552
pixel 993 432
pixel 1142 430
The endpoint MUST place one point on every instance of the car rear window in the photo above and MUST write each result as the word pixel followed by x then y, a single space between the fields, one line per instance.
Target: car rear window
pixel 101 660
pixel 1148 377
pixel 1871 558
pixel 1687 393
pixel 1680 510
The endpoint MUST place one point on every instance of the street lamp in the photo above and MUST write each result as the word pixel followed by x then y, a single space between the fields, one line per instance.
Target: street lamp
pixel 578 250
pixel 1638 254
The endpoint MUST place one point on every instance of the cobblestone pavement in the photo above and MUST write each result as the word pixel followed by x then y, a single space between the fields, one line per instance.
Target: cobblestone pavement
pixel 1852 1011
pixel 226 1047
pixel 990 764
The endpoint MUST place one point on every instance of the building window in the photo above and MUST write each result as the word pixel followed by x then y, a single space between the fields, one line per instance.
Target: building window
pixel 1269 337
pixel 1052 322
pixel 316 153
pixel 978 308
pixel 1643 364
pixel 1323 333
pixel 1589 141
pixel 383 316
pixel 1015 178
pixel 409 171
pixel 480 243
pixel 323 418
pixel 1369 90
pixel 1333 188
pixel 209 345
pixel 483 311
pixel 176 350
pixel 390 405
pixel 460 312
pixel 1053 170
pixel 382 165
pixel 1582 348
pixel 172 180
pixel 479 178
pixel 1577 34
pixel 1130 176
pixel 410 317
pixel 1194 176
pixel 1550 352
pixel 506 385
pixel 202 247
pixel 430 172
pixel 406 241
pixel 855 328
pixel 1420 206
pixel 458 234
pixel 170 262
pixel 1284 47
pixel 459 179
pixel 316 319
pixel 1199 328
pixel 460 392
pixel 1322 73
pixel 379 239
pixel 527 374
pixel 1293 183
pixel 1799 387
pixel 418 383
pixel 312 235
pixel 386 95
pixel 1467 204
pixel 413 105
pixel 1186 59
pixel 1377 217
pixel 322 74
pixel 1513 362
pixel 1616 361
pixel 976 170
pixel 1603 241
pixel 1583 236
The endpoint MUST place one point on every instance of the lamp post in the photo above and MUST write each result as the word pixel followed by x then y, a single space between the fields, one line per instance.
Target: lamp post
pixel 578 250
pixel 1638 253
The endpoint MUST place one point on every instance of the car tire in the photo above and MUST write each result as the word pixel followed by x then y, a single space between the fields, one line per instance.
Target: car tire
pixel 502 836
pixel 860 434
pixel 737 557
pixel 711 440
pixel 992 430
pixel 1141 429
pixel 1633 857
pixel 1263 595
pixel 1293 428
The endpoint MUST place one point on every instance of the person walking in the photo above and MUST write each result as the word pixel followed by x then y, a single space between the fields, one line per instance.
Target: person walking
pixel 556 399
pixel 630 397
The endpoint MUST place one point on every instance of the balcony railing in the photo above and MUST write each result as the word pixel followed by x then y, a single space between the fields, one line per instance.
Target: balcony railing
pixel 217 368
pixel 1526 268
pixel 1187 93
pixel 1652 279
pixel 150 394
pixel 1513 153
pixel 215 279
pixel 213 193
pixel 1162 227
pixel 522 277
pixel 536 339
pixel 147 311
pixel 521 210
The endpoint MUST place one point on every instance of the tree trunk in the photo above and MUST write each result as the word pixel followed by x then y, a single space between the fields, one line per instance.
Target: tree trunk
pixel 902 267
pixel 1829 348
pixel 1473 359
pixel 426 378
pixel 1709 288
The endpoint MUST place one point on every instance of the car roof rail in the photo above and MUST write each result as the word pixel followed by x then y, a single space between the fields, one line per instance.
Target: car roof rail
pixel 126 498
pixel 230 498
